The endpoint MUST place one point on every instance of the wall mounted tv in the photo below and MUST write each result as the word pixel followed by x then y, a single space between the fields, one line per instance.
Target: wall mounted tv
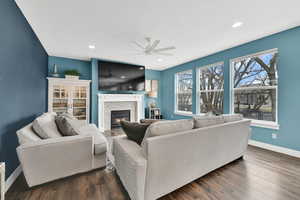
pixel 120 77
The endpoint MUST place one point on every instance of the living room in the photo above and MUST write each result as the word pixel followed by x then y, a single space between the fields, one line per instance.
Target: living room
pixel 159 100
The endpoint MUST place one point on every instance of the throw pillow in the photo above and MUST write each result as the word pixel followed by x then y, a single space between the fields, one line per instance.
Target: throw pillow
pixel 68 115
pixel 45 126
pixel 66 126
pixel 135 131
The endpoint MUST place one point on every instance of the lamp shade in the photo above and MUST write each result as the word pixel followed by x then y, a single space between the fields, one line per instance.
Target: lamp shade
pixel 152 94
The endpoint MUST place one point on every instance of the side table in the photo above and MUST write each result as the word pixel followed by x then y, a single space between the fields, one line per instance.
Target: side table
pixel 110 134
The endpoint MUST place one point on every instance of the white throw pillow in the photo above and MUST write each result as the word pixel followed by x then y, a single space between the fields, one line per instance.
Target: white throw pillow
pixel 45 126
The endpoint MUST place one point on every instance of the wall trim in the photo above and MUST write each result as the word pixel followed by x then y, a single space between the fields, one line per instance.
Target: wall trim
pixel 12 178
pixel 275 148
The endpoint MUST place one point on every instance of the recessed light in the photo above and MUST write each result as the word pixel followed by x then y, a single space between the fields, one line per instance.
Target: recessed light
pixel 92 46
pixel 237 24
pixel 159 59
pixel 141 68
pixel 122 77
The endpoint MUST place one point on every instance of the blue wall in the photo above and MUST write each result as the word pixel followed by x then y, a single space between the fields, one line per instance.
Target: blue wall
pixel 288 44
pixel 23 71
pixel 84 67
pixel 150 75
pixel 89 71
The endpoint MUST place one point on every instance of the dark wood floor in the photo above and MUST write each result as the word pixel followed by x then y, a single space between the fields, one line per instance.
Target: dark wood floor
pixel 261 175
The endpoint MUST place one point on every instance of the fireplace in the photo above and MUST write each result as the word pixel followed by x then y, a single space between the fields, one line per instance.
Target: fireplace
pixel 117 116
pixel 119 102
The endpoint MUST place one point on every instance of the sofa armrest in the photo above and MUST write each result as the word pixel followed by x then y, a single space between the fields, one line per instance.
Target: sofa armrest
pixel 131 166
pixel 51 159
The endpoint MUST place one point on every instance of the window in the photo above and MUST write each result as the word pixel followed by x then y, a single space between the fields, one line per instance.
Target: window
pixel 254 86
pixel 184 87
pixel 210 88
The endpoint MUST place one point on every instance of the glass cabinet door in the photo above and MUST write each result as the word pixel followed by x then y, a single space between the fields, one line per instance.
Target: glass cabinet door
pixel 60 99
pixel 79 99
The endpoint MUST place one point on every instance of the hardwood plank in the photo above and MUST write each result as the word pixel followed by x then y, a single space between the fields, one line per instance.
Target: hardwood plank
pixel 262 174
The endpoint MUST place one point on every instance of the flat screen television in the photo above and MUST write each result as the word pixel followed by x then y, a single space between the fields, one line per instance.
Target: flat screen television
pixel 120 77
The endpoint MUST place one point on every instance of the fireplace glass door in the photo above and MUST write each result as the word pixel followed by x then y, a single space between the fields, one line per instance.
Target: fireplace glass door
pixel 117 116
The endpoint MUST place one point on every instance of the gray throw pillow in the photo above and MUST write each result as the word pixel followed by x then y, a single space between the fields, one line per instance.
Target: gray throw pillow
pixel 68 115
pixel 66 126
pixel 45 126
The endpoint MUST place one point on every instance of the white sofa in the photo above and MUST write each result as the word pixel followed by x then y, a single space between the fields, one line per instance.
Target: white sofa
pixel 45 160
pixel 177 155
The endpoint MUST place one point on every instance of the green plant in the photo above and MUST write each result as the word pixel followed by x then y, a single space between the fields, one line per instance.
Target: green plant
pixel 72 72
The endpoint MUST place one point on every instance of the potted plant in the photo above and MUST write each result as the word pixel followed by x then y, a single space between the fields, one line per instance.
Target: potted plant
pixel 72 74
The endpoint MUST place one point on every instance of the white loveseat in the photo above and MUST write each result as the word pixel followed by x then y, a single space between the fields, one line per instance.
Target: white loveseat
pixel 175 153
pixel 45 160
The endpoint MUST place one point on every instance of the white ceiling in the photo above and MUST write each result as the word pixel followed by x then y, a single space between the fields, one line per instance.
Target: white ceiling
pixel 196 27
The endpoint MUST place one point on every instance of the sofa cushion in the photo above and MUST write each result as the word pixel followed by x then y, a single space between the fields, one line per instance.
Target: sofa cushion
pixel 45 126
pixel 100 142
pixel 149 121
pixel 204 121
pixel 135 131
pixel 27 134
pixel 67 126
pixel 232 117
pixel 168 127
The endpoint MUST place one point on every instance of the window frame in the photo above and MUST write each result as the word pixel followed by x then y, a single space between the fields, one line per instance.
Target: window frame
pixel 198 91
pixel 176 111
pixel 258 123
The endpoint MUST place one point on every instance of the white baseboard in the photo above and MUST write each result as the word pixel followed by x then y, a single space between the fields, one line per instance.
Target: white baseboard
pixel 12 178
pixel 278 149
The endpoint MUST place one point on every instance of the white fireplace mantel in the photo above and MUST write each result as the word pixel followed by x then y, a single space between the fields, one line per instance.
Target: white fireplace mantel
pixel 109 102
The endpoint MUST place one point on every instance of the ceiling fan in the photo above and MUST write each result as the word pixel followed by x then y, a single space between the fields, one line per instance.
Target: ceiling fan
pixel 151 48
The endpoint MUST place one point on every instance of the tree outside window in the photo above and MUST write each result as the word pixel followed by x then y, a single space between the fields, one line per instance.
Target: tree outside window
pixel 255 86
pixel 184 87
pixel 211 88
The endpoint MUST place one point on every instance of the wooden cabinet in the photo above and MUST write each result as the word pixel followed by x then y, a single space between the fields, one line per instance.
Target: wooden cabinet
pixel 69 95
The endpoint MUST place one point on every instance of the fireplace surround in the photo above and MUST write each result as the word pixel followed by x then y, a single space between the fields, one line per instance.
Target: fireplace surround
pixel 116 102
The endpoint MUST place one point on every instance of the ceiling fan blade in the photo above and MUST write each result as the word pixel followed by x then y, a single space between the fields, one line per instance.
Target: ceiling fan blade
pixel 164 54
pixel 139 45
pixel 164 49
pixel 152 47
